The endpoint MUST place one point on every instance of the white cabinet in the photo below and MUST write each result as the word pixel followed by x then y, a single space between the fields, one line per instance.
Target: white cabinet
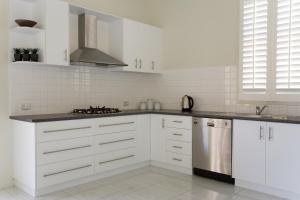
pixel 282 150
pixel 57 32
pixel 249 151
pixel 139 46
pixel 267 154
pixel 158 139
pixel 171 142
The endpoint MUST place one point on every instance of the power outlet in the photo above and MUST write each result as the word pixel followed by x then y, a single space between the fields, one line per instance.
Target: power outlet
pixel 26 107
pixel 125 103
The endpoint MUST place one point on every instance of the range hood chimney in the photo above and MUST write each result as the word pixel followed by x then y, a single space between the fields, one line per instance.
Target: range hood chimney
pixel 87 53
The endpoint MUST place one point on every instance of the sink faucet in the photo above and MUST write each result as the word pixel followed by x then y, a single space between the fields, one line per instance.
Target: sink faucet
pixel 259 110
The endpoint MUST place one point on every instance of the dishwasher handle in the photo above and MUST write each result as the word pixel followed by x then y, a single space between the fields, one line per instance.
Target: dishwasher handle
pixel 210 124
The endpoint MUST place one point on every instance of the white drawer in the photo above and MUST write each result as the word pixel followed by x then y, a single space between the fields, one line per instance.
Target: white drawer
pixel 179 134
pixel 64 171
pixel 179 160
pixel 178 122
pixel 179 147
pixel 49 152
pixel 114 160
pixel 50 131
pixel 116 124
pixel 115 141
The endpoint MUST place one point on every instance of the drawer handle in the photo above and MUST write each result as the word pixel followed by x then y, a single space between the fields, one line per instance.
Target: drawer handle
pixel 67 129
pixel 108 125
pixel 177 134
pixel 177 147
pixel 65 171
pixel 176 159
pixel 117 159
pixel 104 143
pixel 178 122
pixel 70 149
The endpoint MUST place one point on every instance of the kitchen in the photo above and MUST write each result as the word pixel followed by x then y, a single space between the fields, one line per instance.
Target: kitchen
pixel 167 57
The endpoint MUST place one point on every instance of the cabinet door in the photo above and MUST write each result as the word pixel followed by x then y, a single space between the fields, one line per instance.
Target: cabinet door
pixel 143 138
pixel 283 163
pixel 152 49
pixel 57 32
pixel 158 138
pixel 131 45
pixel 249 151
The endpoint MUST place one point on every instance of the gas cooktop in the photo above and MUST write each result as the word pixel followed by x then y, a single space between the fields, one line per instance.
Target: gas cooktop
pixel 96 110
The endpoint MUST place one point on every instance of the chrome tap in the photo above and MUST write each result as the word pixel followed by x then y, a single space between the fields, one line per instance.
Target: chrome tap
pixel 259 110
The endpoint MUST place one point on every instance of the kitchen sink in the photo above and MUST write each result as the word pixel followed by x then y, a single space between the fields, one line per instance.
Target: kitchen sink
pixel 268 116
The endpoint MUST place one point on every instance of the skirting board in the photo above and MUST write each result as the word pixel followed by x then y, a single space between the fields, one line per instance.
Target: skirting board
pixel 172 167
pixel 70 184
pixel 267 190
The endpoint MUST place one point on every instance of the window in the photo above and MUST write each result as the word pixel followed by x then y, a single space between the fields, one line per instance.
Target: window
pixel 288 46
pixel 270 49
pixel 255 21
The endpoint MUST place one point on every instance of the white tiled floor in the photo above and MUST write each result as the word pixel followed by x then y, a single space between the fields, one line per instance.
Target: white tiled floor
pixel 147 184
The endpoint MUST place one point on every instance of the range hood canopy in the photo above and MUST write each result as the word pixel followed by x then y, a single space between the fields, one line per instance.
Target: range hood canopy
pixel 87 53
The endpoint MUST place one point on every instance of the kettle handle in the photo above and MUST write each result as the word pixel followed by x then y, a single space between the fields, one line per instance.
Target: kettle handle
pixel 191 100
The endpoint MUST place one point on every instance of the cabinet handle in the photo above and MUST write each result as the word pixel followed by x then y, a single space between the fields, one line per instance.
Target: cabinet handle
pixel 66 55
pixel 122 158
pixel 261 133
pixel 177 147
pixel 177 134
pixel 163 123
pixel 136 63
pixel 176 159
pixel 104 143
pixel 69 149
pixel 67 129
pixel 153 65
pixel 178 122
pixel 141 63
pixel 118 124
pixel 271 134
pixel 65 171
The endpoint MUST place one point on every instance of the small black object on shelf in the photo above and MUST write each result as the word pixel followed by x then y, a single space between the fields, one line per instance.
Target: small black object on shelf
pixel 26 55
pixel 17 54
pixel 34 56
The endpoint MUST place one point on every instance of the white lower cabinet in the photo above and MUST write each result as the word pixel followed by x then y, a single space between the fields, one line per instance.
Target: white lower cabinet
pixel 267 154
pixel 171 141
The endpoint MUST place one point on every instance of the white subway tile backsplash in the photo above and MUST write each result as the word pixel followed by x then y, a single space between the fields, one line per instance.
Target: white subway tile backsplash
pixel 53 89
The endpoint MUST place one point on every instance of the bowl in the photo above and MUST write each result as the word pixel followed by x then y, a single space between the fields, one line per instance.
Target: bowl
pixel 25 22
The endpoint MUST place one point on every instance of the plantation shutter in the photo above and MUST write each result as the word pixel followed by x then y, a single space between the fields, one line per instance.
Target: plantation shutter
pixel 288 46
pixel 254 45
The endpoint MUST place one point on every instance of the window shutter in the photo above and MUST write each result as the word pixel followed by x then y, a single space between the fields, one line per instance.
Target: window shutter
pixel 254 45
pixel 288 46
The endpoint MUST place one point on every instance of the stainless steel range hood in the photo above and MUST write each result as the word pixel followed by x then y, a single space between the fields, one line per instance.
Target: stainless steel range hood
pixel 87 53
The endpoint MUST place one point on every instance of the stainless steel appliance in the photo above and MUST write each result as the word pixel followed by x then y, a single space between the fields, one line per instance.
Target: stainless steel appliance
pixel 212 148
pixel 187 103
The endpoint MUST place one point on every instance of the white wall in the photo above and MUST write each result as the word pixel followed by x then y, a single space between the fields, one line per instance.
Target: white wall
pixel 5 142
pixel 198 33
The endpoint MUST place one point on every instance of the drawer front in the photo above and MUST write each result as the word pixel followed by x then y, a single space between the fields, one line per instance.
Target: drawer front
pixel 178 122
pixel 64 171
pixel 55 151
pixel 179 134
pixel 114 160
pixel 51 131
pixel 115 141
pixel 179 147
pixel 116 124
pixel 179 160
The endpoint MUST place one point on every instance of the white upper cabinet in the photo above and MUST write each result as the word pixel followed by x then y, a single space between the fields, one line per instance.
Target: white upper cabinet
pixel 249 151
pixel 283 162
pixel 140 46
pixel 57 32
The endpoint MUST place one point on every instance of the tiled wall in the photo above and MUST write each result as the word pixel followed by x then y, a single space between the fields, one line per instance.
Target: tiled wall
pixel 52 89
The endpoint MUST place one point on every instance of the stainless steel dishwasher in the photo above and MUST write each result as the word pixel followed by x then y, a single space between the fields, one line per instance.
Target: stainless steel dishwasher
pixel 212 148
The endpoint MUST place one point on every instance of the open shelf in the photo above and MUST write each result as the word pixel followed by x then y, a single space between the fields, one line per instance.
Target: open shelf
pixel 27 30
pixel 27 63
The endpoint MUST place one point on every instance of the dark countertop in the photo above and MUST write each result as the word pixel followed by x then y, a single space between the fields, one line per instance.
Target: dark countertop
pixel 219 115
